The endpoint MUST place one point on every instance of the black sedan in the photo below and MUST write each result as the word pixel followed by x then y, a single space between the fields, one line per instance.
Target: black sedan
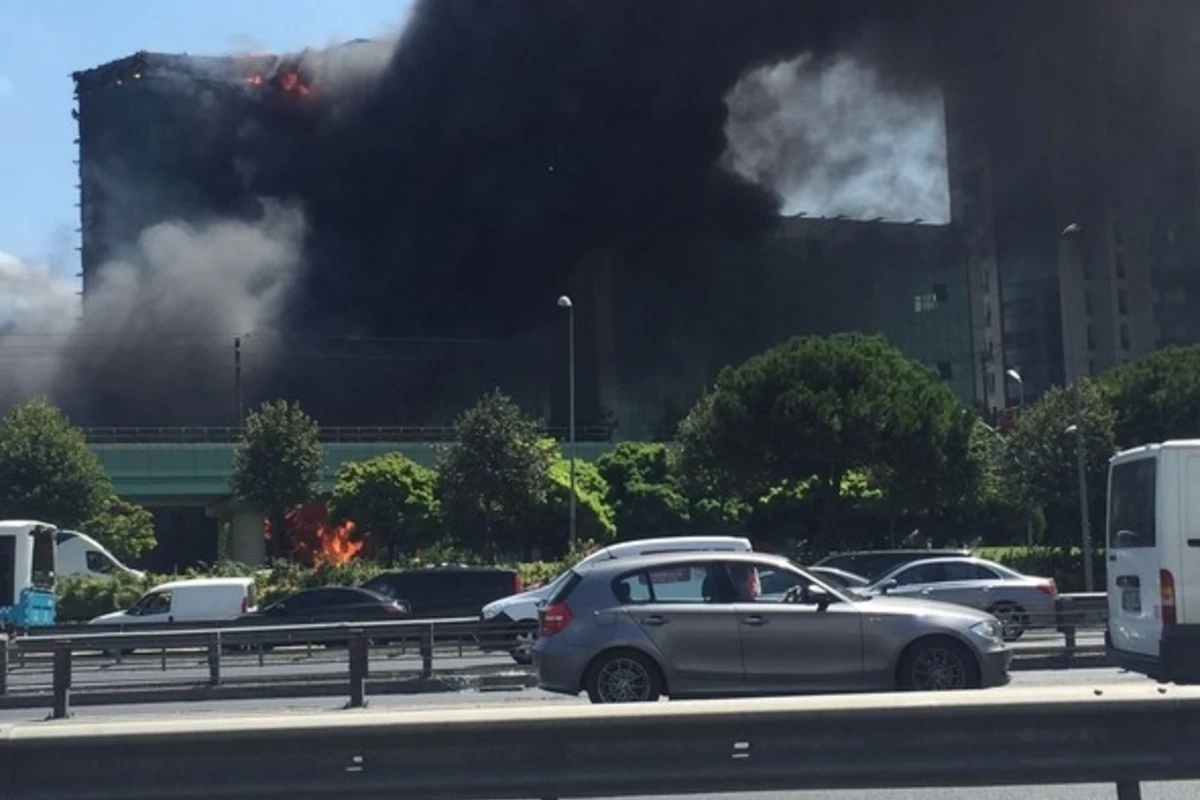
pixel 329 605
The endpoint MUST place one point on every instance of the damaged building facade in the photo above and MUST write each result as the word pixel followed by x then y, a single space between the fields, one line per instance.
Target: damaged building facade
pixel 998 289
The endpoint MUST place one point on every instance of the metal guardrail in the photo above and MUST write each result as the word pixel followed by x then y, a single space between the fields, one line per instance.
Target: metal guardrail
pixel 218 642
pixel 328 435
pixel 217 649
pixel 1119 735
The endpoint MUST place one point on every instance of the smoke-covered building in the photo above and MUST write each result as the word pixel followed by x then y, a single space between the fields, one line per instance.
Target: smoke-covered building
pixel 176 137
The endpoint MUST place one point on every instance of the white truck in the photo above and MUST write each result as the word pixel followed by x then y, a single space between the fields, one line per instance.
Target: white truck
pixel 76 553
pixel 1153 556
pixel 80 554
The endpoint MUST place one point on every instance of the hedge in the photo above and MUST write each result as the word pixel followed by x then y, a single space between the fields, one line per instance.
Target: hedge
pixel 1065 566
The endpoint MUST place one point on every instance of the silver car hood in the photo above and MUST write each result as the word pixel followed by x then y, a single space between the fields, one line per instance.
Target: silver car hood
pixel 883 604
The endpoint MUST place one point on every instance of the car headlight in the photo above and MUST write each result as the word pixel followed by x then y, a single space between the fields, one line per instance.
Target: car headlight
pixel 988 629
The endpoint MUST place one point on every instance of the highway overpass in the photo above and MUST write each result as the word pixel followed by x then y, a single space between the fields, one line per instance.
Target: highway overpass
pixel 192 467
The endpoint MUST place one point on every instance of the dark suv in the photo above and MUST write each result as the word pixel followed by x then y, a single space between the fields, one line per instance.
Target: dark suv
pixel 874 564
pixel 446 591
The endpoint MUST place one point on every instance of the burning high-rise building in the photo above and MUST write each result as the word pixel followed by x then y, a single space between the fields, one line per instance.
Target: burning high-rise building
pixel 429 199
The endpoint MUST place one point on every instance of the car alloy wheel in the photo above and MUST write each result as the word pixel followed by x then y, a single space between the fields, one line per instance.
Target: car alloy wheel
pixel 939 669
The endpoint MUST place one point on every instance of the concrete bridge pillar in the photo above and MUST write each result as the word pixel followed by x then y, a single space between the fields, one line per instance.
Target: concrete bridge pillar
pixel 241 531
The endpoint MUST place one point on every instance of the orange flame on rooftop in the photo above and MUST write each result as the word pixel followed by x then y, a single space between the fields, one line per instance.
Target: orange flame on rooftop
pixel 315 540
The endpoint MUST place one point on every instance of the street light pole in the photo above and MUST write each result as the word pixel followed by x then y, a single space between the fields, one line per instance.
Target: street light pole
pixel 565 302
pixel 1015 374
pixel 1070 235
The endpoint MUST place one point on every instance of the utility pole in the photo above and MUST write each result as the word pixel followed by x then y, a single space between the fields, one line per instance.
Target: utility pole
pixel 237 381
pixel 565 302
pixel 1070 235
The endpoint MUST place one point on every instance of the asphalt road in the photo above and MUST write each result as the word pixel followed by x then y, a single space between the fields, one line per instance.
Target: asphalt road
pixel 184 667
pixel 475 699
pixel 459 700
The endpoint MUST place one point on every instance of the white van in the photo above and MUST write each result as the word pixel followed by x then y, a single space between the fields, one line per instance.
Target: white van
pixel 80 554
pixel 511 623
pixel 1154 561
pixel 198 600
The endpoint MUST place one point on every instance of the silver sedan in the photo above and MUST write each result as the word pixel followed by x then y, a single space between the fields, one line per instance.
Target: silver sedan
pixel 1019 601
pixel 700 625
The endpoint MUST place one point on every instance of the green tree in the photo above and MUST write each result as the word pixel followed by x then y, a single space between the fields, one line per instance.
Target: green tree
pixel 1155 399
pixel 391 499
pixel 1040 459
pixel 824 406
pixel 125 528
pixel 277 464
pixel 546 524
pixel 47 470
pixel 495 473
pixel 642 490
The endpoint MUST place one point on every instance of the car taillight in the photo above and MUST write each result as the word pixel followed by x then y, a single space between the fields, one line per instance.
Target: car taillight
pixel 397 608
pixel 245 604
pixel 1050 588
pixel 517 585
pixel 1166 591
pixel 554 619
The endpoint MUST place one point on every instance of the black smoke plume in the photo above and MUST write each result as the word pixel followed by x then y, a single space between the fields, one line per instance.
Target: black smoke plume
pixel 452 181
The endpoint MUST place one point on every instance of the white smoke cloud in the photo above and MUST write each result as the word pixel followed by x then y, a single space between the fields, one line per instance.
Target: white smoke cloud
pixel 829 139
pixel 37 310
pixel 159 322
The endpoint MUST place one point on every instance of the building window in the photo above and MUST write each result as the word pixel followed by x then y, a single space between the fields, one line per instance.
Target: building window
pixel 945 371
pixel 1122 301
pixel 941 293
pixel 1124 336
pixel 1091 339
pixel 925 302
pixel 1120 267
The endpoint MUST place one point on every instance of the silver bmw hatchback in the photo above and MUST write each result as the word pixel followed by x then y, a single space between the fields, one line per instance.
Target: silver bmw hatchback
pixel 701 625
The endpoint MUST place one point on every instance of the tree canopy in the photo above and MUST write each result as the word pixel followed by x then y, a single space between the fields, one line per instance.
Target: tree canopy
pixel 277 464
pixel 642 490
pixel 392 501
pixel 125 528
pixel 824 406
pixel 1155 399
pixel 1040 460
pixel 47 470
pixel 496 472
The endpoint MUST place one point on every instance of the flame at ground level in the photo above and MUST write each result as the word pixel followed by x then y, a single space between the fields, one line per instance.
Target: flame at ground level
pixel 316 540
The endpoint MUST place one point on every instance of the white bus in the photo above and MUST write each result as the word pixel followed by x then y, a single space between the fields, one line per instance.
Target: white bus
pixel 1153 566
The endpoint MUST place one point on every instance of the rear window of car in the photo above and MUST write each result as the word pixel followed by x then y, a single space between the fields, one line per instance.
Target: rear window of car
pixel 674 583
pixel 563 587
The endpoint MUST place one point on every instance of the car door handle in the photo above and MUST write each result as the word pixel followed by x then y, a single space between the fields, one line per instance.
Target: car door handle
pixel 654 619
pixel 755 620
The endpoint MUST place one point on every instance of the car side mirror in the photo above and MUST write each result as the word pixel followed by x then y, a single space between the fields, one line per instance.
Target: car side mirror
pixel 888 585
pixel 818 596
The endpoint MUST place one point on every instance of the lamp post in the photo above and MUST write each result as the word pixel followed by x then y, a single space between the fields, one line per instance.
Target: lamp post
pixel 1016 377
pixel 565 302
pixel 1070 235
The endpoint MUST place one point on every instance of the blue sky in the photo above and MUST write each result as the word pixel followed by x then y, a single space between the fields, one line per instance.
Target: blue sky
pixel 43 41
